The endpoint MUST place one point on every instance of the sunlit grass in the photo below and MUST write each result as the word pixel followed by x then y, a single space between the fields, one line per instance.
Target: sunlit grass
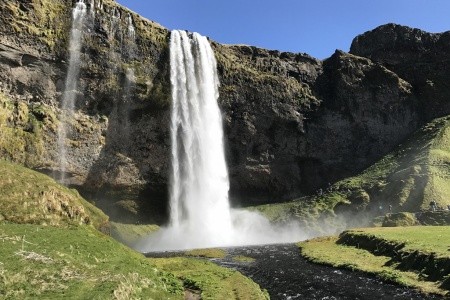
pixel 76 263
pixel 427 240
pixel 215 282
pixel 207 253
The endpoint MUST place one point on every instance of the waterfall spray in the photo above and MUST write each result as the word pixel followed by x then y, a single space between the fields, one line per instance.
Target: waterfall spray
pixel 70 90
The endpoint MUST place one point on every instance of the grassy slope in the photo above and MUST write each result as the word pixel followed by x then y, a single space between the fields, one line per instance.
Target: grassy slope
pixel 408 242
pixel 412 176
pixel 215 282
pixel 30 197
pixel 408 179
pixel 50 250
pixel 76 263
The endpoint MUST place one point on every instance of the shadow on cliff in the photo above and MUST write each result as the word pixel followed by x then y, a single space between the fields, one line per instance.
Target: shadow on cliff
pixel 123 181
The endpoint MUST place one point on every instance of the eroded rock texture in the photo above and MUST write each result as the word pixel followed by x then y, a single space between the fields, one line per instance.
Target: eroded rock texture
pixel 293 123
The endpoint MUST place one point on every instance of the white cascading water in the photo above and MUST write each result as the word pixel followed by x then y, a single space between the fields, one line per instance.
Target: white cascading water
pixel 199 209
pixel 199 190
pixel 200 215
pixel 70 90
pixel 130 28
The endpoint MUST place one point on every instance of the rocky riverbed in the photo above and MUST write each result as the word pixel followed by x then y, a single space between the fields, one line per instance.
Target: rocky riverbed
pixel 286 275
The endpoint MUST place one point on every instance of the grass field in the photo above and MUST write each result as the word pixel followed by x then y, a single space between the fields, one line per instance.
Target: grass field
pixel 416 256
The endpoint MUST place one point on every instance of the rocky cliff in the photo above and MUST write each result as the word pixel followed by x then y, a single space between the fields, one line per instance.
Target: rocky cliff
pixel 293 123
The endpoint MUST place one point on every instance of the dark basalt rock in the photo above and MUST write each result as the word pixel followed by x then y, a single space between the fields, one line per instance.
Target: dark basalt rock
pixel 292 123
pixel 417 56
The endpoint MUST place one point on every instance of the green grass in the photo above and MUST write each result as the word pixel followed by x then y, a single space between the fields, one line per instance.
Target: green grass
pixel 49 250
pixel 413 175
pixel 31 197
pixel 129 234
pixel 207 253
pixel 398 254
pixel 76 263
pixel 215 282
pixel 427 239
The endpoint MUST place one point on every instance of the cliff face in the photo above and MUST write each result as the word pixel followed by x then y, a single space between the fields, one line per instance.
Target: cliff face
pixel 292 123
pixel 419 57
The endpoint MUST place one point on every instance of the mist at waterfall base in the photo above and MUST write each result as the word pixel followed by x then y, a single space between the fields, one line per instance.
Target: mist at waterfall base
pixel 200 214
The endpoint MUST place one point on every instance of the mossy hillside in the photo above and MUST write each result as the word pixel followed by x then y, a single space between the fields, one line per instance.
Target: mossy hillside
pixel 215 282
pixel 71 260
pixel 31 197
pixel 76 263
pixel 314 213
pixel 408 179
pixel 327 251
pixel 24 128
pixel 400 219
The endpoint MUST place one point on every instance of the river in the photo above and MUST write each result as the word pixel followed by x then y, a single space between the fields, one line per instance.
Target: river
pixel 286 275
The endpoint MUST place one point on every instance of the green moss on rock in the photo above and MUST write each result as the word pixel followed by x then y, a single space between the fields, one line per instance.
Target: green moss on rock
pixel 21 136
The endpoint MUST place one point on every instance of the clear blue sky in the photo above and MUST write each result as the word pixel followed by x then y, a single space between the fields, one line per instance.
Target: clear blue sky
pixel 316 27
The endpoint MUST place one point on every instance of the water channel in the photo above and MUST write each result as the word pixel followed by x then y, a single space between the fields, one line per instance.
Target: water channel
pixel 286 275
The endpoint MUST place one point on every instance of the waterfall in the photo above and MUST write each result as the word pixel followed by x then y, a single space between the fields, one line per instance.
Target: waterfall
pixel 130 29
pixel 199 187
pixel 200 214
pixel 199 208
pixel 70 90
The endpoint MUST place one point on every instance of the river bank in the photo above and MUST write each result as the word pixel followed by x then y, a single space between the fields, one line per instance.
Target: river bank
pixel 416 256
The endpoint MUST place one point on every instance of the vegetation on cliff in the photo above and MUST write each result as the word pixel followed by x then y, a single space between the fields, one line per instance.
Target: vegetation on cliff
pixel 407 179
pixel 21 131
pixel 413 256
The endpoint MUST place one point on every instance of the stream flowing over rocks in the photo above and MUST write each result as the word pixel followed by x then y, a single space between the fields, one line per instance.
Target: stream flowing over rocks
pixel 286 275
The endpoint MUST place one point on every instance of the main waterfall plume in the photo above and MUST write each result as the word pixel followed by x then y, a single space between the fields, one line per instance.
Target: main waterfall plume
pixel 70 89
pixel 200 214
pixel 199 187
pixel 199 209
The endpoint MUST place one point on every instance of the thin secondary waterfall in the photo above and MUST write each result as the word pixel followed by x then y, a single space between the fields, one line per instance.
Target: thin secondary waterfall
pixel 69 96
pixel 130 28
